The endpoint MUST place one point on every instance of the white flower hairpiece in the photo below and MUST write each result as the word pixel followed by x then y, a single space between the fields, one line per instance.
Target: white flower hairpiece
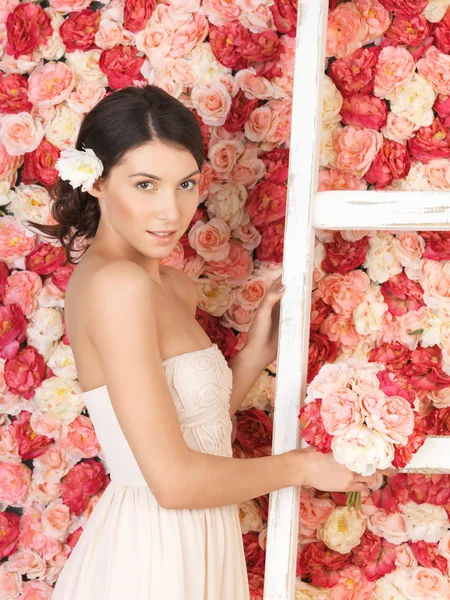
pixel 79 167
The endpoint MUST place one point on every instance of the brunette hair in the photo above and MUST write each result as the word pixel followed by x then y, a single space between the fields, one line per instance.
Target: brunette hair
pixel 120 122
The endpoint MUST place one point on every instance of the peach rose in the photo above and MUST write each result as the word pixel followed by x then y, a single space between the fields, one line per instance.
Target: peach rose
pixel 395 67
pixel 258 124
pixel 408 246
pixel 212 102
pixel 313 512
pixel 111 33
pixel 427 584
pixel 155 42
pixel 435 282
pixel 86 95
pixel 340 411
pixel 20 133
pixel 444 546
pixel 210 240
pixel 404 557
pixel 435 68
pixel 23 288
pixel 10 582
pixel 238 317
pixel 398 129
pixel 15 241
pixel 335 179
pixel 36 590
pixel 344 292
pixel 66 6
pixel 50 84
pixel 220 12
pixel 340 329
pixel 356 148
pixel 254 86
pixel 332 102
pixel 8 164
pixel 378 19
pixel 15 481
pixel 330 379
pixel 224 154
pixel 352 585
pixel 394 527
pixel 346 30
pixel 392 417
pixel 56 520
pixel 252 292
pixel 437 172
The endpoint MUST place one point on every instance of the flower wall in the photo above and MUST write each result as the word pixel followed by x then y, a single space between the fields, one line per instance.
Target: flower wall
pixel 232 64
pixel 383 297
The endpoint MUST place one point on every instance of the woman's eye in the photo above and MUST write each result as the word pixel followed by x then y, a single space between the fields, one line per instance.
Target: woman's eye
pixel 194 183
pixel 144 183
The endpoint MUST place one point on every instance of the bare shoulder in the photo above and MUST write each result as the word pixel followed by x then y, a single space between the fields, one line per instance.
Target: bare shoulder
pixel 184 287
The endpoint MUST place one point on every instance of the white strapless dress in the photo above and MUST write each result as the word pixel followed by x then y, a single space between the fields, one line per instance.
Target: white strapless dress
pixel 133 549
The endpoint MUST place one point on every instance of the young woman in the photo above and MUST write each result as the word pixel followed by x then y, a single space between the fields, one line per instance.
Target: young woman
pixel 159 394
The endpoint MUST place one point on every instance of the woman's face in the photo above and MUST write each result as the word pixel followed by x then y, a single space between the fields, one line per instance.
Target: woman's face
pixel 150 198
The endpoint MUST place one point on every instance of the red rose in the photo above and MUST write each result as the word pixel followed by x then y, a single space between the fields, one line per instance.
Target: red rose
pixel 434 490
pixel 402 295
pixel 321 350
pixel 79 29
pixel 362 110
pixel 83 481
pixel 4 274
pixel 24 372
pixel 406 8
pixel 31 444
pixel 254 554
pixel 319 312
pixel 13 94
pixel 425 370
pixel 442 34
pixel 375 555
pixel 266 203
pixel 122 66
pixel 442 107
pixel 321 564
pixel 254 430
pixel 395 492
pixel 261 48
pixel 227 42
pixel 61 276
pixel 403 454
pixel 284 14
pixel 45 258
pixel 396 384
pixel 408 31
pixel 391 162
pixel 343 256
pixel 313 429
pixel 427 555
pixel 430 142
pixel 272 243
pixel 239 112
pixel 137 13
pixel 73 538
pixel 438 245
pixel 438 421
pixel 224 337
pixel 27 26
pixel 39 165
pixel 256 582
pixel 10 528
pixel 393 355
pixel 277 165
pixel 355 73
pixel 12 330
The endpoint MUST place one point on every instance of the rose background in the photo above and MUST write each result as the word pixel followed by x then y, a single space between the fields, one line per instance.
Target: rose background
pixel 377 295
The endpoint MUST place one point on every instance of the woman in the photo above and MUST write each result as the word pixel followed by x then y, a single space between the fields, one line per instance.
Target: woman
pixel 160 395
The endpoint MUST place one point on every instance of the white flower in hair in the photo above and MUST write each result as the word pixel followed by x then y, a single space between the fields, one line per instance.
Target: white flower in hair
pixel 79 167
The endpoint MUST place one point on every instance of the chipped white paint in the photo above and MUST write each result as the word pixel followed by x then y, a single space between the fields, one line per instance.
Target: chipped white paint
pixel 279 583
pixel 381 210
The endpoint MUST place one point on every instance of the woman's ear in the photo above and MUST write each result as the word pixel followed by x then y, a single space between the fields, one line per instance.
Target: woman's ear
pixel 98 187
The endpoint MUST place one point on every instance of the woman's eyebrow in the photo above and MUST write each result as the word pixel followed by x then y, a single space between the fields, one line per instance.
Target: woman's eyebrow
pixel 159 178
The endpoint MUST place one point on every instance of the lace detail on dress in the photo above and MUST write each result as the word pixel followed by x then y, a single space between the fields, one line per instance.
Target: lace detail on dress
pixel 201 383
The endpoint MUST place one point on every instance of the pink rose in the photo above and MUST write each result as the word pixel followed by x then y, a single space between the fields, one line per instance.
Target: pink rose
pixel 211 240
pixel 435 68
pixel 313 430
pixel 9 526
pixel 8 164
pixel 355 73
pixel 23 288
pixel 20 133
pixel 409 31
pixel 266 203
pixel 82 482
pixel 430 142
pixel 402 295
pixel 25 372
pixel 356 148
pixel 346 31
pixel 335 179
pixel 393 527
pixel 13 331
pixel 50 84
pixel 252 292
pixel 427 584
pixel 352 585
pixel 344 292
pixel 16 480
pixel 313 512
pixel 67 6
pixel 395 68
pixel 212 102
pixel 340 411
pixel 406 8
pixel 375 555
pixel 392 417
pixel 238 318
pixel 404 557
pixel 340 329
pixel 376 16
pixel 364 111
pixel 234 269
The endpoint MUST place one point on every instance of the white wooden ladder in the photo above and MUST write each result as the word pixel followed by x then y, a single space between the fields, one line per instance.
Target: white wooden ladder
pixel 308 210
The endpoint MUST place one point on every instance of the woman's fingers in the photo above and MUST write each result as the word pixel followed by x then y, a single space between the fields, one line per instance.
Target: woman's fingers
pixel 357 487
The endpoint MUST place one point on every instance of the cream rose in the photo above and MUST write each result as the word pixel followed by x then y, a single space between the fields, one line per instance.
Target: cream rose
pixel 343 529
pixel 414 101
pixel 362 450
pixel 429 522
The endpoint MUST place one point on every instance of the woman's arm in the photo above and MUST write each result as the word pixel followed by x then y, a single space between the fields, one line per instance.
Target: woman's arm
pixel 123 328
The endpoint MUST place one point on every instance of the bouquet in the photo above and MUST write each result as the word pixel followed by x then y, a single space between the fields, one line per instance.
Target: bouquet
pixel 347 412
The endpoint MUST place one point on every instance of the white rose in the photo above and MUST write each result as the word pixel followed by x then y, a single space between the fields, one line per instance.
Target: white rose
pixel 343 529
pixel 328 154
pixel 225 200
pixel 332 102
pixel 85 66
pixel 250 516
pixel 415 181
pixel 31 202
pixel 386 587
pixel 59 398
pixel 62 361
pixel 204 65
pixel 53 48
pixel 259 394
pixel 435 10
pixel 79 167
pixel 381 261
pixel 414 101
pixel 331 378
pixel 368 315
pixel 44 328
pixel 362 450
pixel 62 130
pixel 429 522
pixel 22 65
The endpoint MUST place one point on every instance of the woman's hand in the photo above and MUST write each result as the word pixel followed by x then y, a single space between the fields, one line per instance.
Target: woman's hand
pixel 323 472
pixel 262 337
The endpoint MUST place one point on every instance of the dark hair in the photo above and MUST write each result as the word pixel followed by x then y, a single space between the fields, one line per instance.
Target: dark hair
pixel 120 122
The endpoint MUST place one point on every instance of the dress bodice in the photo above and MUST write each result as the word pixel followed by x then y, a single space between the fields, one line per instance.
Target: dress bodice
pixel 200 383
